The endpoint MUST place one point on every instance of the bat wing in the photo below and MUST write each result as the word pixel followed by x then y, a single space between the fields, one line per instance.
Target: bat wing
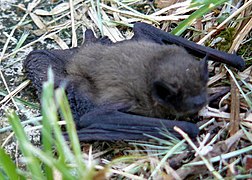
pixel 93 122
pixel 110 125
pixel 103 123
pixel 107 123
pixel 38 62
pixel 143 31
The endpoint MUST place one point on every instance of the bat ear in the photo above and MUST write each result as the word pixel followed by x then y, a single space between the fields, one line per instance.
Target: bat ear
pixel 204 68
pixel 162 92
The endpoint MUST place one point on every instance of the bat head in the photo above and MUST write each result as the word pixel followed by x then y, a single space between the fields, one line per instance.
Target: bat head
pixel 180 84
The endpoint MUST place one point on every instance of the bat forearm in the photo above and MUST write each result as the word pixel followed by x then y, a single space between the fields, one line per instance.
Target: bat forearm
pixel 122 126
pixel 144 31
pixel 200 51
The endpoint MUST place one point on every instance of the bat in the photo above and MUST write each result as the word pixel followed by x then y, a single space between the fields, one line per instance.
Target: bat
pixel 153 80
pixel 115 98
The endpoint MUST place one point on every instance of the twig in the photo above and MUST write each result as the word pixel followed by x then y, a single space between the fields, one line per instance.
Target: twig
pixel 240 36
pixel 74 36
pixel 2 57
pixel 206 162
pixel 235 108
pixel 247 4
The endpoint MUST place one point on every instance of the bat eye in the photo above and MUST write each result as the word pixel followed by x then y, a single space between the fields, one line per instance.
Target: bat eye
pixel 162 92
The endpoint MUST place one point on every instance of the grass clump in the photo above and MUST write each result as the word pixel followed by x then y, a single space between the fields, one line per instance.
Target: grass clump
pixel 56 156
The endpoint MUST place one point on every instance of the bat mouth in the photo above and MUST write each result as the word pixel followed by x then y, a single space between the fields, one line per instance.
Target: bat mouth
pixel 189 112
pixel 192 105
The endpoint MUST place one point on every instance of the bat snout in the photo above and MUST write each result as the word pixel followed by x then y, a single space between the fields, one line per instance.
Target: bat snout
pixel 197 102
pixel 192 104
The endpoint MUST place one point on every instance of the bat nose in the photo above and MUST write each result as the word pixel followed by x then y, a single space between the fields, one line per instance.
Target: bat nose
pixel 199 101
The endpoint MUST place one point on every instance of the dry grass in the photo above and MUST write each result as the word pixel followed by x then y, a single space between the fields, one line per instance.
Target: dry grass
pixel 225 143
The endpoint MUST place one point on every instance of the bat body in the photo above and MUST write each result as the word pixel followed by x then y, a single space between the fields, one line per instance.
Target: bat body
pixel 153 80
pixel 119 91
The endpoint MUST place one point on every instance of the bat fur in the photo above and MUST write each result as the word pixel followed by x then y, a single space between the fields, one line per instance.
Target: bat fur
pixel 153 80
pixel 144 74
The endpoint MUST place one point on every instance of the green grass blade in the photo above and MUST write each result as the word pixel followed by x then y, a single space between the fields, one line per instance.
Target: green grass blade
pixel 47 137
pixel 51 117
pixel 21 41
pixel 32 162
pixel 51 131
pixel 3 175
pixel 196 3
pixel 168 154
pixel 34 120
pixel 223 156
pixel 195 15
pixel 99 17
pixel 247 99
pixel 67 115
pixel 50 122
pixel 52 163
pixel 20 100
pixel 248 134
pixel 9 166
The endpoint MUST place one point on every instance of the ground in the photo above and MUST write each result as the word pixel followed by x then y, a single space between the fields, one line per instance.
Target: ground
pixel 226 121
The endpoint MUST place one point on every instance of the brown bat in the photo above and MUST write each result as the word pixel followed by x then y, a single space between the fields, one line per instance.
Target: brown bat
pixel 153 80
pixel 119 91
